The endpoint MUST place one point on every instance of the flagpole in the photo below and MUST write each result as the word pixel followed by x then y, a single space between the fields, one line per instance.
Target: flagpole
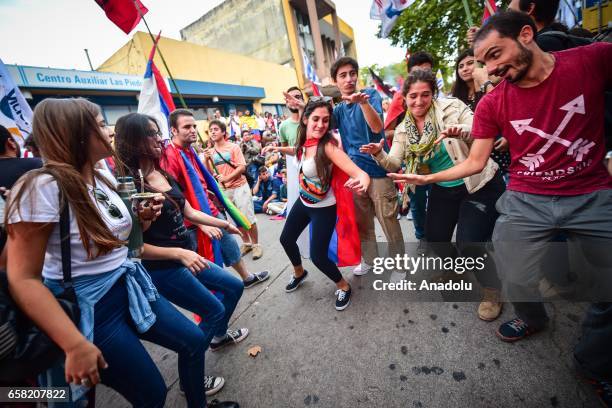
pixel 467 13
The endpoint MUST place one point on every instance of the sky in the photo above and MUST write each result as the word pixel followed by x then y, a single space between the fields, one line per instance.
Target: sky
pixel 54 33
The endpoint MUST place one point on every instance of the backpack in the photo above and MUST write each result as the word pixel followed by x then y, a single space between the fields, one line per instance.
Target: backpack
pixel 569 40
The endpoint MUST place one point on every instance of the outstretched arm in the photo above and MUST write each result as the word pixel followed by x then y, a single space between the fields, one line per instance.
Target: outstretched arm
pixel 360 180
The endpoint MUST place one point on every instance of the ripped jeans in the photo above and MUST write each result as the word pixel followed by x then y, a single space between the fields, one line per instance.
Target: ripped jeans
pixel 474 215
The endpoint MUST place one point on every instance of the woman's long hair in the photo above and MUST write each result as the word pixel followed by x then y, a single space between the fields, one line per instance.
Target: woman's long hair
pixel 460 88
pixel 134 149
pixel 63 130
pixel 322 162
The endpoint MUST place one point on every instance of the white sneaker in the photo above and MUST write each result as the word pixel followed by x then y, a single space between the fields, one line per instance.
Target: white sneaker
pixel 362 269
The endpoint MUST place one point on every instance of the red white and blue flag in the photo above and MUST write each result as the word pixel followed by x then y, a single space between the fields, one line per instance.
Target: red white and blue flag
pixel 155 99
pixel 489 9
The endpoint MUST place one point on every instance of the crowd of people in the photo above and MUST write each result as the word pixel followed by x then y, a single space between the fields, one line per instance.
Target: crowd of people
pixel 515 153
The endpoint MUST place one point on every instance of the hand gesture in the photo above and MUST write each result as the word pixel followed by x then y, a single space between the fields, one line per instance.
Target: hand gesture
pixel 83 362
pixel 359 185
pixel 358 97
pixel 269 148
pixel 471 32
pixel 150 209
pixel 211 232
pixel 209 153
pixel 232 229
pixel 501 144
pixel 221 178
pixel 372 148
pixel 293 102
pixel 480 76
pixel 192 260
pixel 415 179
pixel 452 131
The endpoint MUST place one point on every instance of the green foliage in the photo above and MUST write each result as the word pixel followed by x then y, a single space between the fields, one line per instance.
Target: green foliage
pixel 436 26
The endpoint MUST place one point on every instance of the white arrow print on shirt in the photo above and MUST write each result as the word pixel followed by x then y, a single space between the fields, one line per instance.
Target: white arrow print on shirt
pixel 578 149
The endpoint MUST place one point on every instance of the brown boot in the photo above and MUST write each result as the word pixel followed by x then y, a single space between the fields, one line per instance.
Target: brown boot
pixel 490 308
pixel 257 251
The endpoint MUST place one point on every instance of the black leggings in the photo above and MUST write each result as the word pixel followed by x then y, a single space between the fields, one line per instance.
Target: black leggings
pixel 323 221
pixel 474 215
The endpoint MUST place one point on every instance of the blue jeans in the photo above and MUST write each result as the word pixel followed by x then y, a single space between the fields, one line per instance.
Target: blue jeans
pixel 258 205
pixel 230 251
pixel 193 293
pixel 131 371
pixel 418 207
pixel 253 170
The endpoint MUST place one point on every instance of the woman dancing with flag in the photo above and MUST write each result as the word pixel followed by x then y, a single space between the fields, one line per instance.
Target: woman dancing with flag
pixel 325 201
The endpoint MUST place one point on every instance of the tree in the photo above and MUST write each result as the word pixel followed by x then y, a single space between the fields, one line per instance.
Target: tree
pixel 436 26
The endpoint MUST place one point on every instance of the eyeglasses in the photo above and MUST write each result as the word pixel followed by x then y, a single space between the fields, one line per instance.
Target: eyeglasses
pixel 154 133
pixel 103 199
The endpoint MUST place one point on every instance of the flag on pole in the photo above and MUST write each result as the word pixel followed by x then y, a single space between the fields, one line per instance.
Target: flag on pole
pixel 439 80
pixel 388 11
pixel 123 13
pixel 15 113
pixel 380 84
pixel 311 74
pixel 489 9
pixel 155 99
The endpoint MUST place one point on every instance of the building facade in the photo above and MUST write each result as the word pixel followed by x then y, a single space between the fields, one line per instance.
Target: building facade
pixel 278 31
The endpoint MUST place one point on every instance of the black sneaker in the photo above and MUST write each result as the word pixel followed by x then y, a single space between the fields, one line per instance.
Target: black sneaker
pixel 343 298
pixel 222 404
pixel 514 330
pixel 231 337
pixel 258 278
pixel 294 283
pixel 213 385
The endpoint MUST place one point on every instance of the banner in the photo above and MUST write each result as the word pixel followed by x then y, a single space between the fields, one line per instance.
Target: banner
pixel 15 113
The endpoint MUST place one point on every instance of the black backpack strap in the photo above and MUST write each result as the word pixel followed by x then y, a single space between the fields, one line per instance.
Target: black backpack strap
pixel 224 159
pixel 65 242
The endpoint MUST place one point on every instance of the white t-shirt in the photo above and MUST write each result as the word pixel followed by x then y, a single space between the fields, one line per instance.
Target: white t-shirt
pixel 309 167
pixel 41 204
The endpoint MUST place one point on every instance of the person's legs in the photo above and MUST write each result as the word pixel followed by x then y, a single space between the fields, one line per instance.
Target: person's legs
pixel 364 212
pixel 323 225
pixel 418 207
pixel 442 216
pixel 185 290
pixel 384 198
pixel 131 371
pixel 174 331
pixel 477 216
pixel 218 279
pixel 297 220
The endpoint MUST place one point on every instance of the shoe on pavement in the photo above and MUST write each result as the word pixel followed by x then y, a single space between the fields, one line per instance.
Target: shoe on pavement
pixel 222 404
pixel 490 308
pixel 257 251
pixel 245 249
pixel 343 298
pixel 231 337
pixel 362 269
pixel 295 282
pixel 514 330
pixel 257 278
pixel 603 390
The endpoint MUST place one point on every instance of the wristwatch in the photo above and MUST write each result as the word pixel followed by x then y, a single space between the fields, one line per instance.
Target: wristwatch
pixel 483 87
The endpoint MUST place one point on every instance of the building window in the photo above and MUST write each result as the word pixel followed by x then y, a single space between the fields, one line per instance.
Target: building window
pixel 207 112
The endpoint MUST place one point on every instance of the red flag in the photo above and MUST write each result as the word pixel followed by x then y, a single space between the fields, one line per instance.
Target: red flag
pixel 123 12
pixel 315 90
pixel 489 9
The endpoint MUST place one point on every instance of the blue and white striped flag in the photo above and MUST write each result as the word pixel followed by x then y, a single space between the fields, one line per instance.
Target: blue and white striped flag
pixel 311 74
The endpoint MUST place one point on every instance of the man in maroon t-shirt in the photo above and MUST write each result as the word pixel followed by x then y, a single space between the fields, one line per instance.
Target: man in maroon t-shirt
pixel 184 134
pixel 550 107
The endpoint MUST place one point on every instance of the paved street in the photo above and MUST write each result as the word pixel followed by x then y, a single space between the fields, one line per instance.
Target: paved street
pixel 382 351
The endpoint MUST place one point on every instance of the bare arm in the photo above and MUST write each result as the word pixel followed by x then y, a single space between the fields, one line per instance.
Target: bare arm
pixel 191 260
pixel 198 217
pixel 475 163
pixel 372 117
pixel 24 276
pixel 359 178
